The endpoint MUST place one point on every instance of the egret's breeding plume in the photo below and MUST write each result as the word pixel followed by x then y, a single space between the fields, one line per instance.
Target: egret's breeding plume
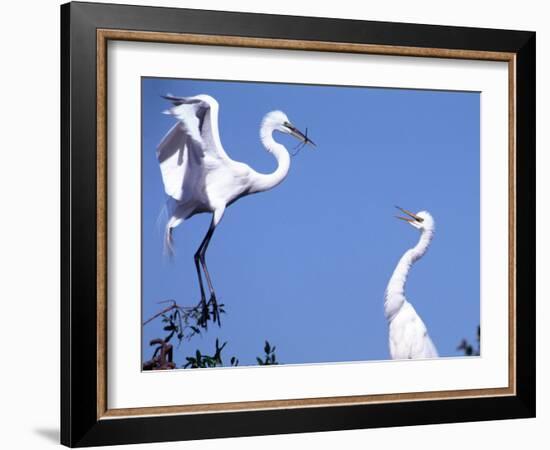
pixel 408 336
pixel 199 176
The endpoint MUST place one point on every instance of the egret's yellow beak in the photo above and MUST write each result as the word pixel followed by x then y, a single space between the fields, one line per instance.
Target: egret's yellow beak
pixel 412 217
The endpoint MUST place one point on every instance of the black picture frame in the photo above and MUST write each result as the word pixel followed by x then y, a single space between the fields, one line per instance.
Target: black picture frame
pixel 80 425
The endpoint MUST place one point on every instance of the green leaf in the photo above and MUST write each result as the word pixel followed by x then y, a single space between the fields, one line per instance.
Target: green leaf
pixel 260 362
pixel 267 347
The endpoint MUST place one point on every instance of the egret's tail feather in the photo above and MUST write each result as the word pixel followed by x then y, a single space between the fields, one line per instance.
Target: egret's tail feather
pixel 172 223
pixel 168 242
pixel 162 217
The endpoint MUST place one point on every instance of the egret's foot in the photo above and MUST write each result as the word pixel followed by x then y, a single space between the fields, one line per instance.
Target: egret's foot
pixel 203 313
pixel 213 302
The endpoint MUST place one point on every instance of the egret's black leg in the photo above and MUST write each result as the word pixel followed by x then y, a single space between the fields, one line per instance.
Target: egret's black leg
pixel 199 275
pixel 204 313
pixel 202 258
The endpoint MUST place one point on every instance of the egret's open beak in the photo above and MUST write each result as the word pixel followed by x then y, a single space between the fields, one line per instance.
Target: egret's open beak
pixel 299 135
pixel 412 217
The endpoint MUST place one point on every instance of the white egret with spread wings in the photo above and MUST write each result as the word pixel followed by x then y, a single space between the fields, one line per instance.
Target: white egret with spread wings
pixel 408 335
pixel 199 176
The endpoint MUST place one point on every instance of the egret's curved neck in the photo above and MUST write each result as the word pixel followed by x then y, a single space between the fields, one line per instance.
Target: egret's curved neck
pixel 264 182
pixel 395 292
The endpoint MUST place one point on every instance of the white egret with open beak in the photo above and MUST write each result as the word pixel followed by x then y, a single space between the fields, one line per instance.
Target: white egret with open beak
pixel 408 335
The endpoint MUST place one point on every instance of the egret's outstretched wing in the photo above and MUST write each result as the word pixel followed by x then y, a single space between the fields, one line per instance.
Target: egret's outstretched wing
pixel 190 147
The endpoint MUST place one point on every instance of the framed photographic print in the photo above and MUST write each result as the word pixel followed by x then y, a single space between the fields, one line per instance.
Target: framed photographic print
pixel 277 224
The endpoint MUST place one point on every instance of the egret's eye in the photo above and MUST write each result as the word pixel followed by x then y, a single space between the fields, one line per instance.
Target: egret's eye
pixel 419 219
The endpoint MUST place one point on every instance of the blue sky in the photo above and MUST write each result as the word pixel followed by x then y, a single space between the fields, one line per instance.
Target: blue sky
pixel 305 265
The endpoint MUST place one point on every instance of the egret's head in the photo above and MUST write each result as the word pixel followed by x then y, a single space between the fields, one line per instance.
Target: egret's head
pixel 422 220
pixel 278 121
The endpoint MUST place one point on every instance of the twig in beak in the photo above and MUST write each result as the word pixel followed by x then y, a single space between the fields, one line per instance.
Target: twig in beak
pixel 306 140
pixel 298 147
